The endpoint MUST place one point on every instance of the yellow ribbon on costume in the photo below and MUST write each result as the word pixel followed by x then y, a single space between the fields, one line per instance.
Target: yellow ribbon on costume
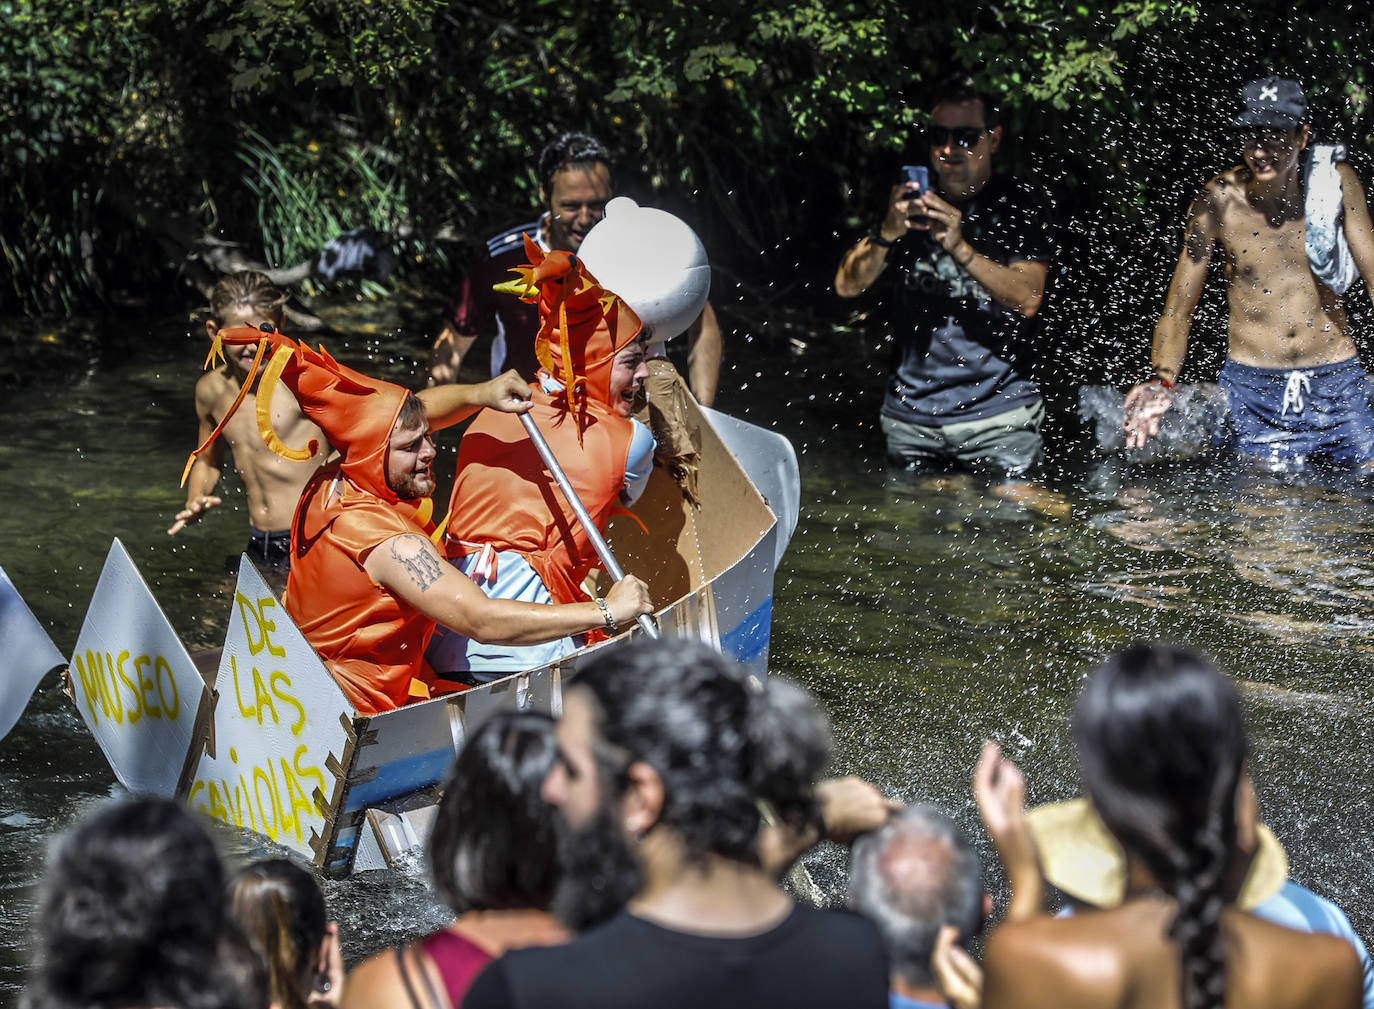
pixel 215 347
pixel 280 358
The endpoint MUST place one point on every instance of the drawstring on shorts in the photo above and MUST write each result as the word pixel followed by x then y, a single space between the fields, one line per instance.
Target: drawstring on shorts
pixel 1298 383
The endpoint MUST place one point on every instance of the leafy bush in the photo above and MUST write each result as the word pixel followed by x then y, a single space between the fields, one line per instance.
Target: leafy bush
pixel 775 127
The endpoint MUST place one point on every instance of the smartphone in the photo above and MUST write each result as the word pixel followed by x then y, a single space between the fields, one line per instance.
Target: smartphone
pixel 919 176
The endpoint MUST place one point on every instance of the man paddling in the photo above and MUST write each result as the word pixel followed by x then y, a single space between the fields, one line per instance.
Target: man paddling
pixel 509 529
pixel 367 586
pixel 1291 246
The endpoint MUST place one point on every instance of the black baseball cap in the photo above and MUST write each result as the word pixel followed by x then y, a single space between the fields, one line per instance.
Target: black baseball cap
pixel 1272 102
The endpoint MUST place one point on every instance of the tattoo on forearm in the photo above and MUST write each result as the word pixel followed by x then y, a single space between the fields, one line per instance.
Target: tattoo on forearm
pixel 413 551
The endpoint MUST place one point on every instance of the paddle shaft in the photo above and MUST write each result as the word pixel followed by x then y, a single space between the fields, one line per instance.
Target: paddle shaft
pixel 603 549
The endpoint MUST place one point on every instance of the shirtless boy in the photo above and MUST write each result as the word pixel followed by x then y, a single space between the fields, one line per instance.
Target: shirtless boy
pixel 273 484
pixel 1292 374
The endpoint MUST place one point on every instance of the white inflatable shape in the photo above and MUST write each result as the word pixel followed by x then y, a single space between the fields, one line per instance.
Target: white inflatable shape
pixel 654 261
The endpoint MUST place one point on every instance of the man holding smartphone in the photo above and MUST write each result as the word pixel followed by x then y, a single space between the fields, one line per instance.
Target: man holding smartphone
pixel 962 267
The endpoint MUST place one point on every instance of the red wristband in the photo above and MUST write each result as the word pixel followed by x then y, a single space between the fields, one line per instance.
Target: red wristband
pixel 1164 382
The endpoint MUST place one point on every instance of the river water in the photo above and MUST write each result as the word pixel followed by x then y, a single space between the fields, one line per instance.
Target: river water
pixel 926 614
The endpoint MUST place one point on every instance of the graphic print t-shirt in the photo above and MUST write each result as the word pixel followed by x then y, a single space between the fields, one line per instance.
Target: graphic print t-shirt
pixel 952 340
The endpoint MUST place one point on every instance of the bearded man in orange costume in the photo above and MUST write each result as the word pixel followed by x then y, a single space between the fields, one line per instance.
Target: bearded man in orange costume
pixel 367 585
pixel 511 530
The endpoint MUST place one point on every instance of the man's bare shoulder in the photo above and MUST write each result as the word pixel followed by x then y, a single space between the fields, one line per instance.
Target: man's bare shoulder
pixel 1349 175
pixel 1227 187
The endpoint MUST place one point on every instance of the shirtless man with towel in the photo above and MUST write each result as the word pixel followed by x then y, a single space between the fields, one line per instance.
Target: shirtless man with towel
pixel 1294 233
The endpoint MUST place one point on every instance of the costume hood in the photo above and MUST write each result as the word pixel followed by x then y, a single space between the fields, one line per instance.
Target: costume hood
pixel 355 412
pixel 581 325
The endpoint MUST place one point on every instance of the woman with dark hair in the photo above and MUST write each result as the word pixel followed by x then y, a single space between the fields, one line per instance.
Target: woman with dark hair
pixel 281 910
pixel 132 916
pixel 1161 746
pixel 493 857
pixel 671 760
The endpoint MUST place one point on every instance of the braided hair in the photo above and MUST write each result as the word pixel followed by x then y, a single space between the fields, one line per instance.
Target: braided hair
pixel 1161 745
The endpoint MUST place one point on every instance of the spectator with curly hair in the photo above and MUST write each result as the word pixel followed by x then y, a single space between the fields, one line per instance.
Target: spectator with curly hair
pixel 133 916
pixel 668 756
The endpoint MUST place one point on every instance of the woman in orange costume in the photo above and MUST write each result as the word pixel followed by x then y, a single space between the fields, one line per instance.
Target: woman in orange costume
pixel 510 529
pixel 367 585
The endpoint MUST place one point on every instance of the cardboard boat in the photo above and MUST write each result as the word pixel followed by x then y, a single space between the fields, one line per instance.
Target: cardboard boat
pixel 266 740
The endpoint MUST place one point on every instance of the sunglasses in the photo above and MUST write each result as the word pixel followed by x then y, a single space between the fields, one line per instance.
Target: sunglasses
pixel 966 137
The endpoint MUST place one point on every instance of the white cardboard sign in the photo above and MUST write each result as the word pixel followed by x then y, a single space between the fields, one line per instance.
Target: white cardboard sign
pixel 27 654
pixel 276 723
pixel 133 682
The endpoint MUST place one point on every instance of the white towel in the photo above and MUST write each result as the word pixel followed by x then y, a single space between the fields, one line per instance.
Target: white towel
pixel 1327 250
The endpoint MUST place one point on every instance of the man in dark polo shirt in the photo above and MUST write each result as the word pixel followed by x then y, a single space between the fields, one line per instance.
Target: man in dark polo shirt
pixel 962 268
pixel 575 182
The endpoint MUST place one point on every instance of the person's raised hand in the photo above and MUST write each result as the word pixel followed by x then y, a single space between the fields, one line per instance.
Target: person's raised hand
pixel 441 374
pixel 902 203
pixel 1145 406
pixel 945 220
pixel 628 600
pixel 507 392
pixel 851 806
pixel 958 977
pixel 193 511
pixel 999 788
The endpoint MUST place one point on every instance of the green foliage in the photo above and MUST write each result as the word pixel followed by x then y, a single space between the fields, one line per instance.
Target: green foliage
pixel 305 196
pixel 774 125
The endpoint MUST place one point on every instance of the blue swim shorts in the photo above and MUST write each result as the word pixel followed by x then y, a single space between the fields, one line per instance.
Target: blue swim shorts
pixel 1289 416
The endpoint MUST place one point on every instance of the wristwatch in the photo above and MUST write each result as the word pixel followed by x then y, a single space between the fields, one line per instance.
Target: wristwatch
pixel 876 237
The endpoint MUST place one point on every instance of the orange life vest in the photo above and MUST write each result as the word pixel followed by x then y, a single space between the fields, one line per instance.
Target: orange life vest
pixel 504 496
pixel 371 640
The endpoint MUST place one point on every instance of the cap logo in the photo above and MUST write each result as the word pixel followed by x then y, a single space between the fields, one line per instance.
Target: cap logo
pixel 1269 93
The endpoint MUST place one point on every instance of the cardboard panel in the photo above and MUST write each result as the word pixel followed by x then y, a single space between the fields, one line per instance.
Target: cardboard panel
pixel 771 463
pixel 403 750
pixel 28 654
pixel 687 546
pixel 412 747
pixel 744 605
pixel 281 739
pixel 133 682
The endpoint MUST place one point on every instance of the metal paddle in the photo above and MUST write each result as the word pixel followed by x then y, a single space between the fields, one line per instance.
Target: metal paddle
pixel 603 549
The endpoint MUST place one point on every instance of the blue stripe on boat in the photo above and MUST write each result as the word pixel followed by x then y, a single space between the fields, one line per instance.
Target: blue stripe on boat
pixel 399 777
pixel 749 639
pixel 346 841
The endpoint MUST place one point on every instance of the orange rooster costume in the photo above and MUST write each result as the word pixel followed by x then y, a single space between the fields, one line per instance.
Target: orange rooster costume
pixel 503 497
pixel 371 641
